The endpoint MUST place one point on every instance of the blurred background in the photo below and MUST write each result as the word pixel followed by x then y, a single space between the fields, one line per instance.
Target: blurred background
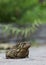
pixel 22 20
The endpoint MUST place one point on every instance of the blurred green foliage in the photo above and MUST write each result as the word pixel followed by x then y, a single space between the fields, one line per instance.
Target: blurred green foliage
pixel 22 11
pixel 22 32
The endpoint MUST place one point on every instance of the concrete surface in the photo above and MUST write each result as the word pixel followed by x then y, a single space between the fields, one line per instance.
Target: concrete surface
pixel 37 56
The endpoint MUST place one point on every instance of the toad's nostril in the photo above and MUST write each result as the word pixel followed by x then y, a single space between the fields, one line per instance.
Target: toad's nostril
pixel 27 46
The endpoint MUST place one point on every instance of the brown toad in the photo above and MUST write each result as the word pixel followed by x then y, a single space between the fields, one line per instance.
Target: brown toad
pixel 20 50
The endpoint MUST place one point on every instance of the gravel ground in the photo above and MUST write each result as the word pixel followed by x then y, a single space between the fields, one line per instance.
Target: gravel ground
pixel 37 56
